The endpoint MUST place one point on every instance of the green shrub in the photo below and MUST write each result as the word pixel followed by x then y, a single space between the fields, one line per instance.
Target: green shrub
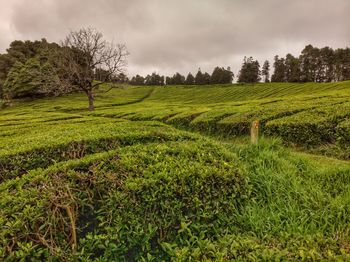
pixel 125 205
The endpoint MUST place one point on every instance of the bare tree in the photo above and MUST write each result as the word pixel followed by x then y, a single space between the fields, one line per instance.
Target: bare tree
pixel 85 52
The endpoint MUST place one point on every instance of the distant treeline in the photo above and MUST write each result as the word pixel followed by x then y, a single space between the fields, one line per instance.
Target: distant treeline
pixel 32 68
pixel 220 75
pixel 313 65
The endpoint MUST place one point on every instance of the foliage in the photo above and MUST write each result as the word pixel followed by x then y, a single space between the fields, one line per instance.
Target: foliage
pixel 32 79
pixel 313 65
pixel 250 71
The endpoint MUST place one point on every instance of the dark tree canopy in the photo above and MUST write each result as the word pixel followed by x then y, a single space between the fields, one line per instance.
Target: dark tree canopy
pixel 265 72
pixel 313 65
pixel 31 79
pixel 250 71
pixel 221 75
pixel 21 52
pixel 154 80
pixel 279 73
pixel 189 79
pixel 137 80
pixel 199 79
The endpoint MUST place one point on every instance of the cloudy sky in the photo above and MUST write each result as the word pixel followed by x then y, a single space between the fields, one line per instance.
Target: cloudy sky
pixel 167 35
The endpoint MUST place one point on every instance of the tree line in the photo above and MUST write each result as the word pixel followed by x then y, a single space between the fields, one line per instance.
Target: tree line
pixel 312 65
pixel 220 75
pixel 84 61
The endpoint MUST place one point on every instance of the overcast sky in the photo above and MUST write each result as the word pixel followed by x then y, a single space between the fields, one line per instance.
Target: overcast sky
pixel 182 35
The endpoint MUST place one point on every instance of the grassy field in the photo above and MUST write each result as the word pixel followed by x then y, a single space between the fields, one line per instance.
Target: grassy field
pixel 168 174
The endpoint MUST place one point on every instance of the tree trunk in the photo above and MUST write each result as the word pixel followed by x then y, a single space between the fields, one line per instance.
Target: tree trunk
pixel 91 100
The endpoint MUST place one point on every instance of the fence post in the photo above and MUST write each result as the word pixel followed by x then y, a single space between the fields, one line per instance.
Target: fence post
pixel 254 132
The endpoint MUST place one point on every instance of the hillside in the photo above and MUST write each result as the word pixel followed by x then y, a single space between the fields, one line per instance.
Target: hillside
pixel 167 173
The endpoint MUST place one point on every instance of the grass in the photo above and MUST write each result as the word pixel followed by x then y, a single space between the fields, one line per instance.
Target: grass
pixel 168 174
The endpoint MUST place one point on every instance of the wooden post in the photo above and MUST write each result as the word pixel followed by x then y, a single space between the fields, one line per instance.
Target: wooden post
pixel 254 132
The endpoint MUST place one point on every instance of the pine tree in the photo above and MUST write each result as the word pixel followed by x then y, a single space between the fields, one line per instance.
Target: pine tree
pixel 206 79
pixel 178 79
pixel 189 79
pixel 217 75
pixel 199 80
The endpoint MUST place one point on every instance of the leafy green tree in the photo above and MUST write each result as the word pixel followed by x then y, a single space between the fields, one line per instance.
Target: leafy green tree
pixel 31 80
pixel 10 83
pixel 250 71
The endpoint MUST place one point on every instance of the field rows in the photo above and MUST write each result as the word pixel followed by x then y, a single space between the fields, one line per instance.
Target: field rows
pixel 123 183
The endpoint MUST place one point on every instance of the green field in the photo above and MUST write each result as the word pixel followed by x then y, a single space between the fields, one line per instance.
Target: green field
pixel 168 174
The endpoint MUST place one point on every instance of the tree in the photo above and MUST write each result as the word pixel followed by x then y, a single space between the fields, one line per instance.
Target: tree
pixel 189 79
pixel 31 79
pixel 217 75
pixel 199 80
pixel 85 51
pixel 309 63
pixel 10 83
pixel 266 71
pixel 250 71
pixel 137 80
pixel 206 79
pixel 327 57
pixel 292 71
pixel 121 78
pixel 279 70
pixel 178 79
pixel 154 79
pixel 342 64
pixel 168 80
pixel 227 76
pixel 21 51
pixel 221 75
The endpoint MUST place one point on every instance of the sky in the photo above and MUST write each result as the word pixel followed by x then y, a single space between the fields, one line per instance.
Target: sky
pixel 168 36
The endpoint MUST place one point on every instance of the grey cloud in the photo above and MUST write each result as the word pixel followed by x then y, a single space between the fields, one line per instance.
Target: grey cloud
pixel 182 35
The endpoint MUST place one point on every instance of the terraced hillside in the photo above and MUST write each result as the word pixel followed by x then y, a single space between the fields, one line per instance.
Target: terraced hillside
pixel 313 116
pixel 128 183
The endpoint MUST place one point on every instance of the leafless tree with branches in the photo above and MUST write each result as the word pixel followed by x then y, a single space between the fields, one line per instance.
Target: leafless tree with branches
pixel 85 52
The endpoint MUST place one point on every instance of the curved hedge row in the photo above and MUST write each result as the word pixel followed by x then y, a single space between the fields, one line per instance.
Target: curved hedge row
pixel 123 206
